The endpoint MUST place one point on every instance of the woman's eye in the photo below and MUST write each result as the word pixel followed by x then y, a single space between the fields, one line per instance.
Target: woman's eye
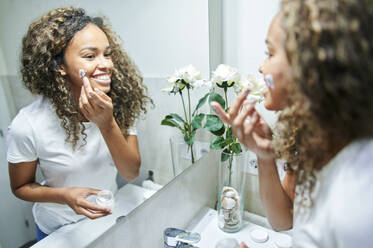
pixel 268 54
pixel 107 54
pixel 89 56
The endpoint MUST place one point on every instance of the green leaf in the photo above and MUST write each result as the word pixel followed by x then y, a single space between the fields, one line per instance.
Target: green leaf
pixel 176 117
pixel 220 132
pixel 197 121
pixel 169 122
pixel 225 155
pixel 236 147
pixel 190 139
pixel 200 103
pixel 217 143
pixel 213 123
pixel 215 97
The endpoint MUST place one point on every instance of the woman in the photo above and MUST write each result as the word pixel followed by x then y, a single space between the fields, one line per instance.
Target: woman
pixel 325 130
pixel 81 131
pixel 277 196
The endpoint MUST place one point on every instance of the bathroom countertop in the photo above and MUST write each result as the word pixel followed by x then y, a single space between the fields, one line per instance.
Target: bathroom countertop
pixel 205 223
pixel 82 233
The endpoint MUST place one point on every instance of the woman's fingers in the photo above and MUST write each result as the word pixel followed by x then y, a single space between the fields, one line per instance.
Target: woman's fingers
pixel 84 101
pixel 221 113
pixel 92 215
pixel 104 97
pixel 97 101
pixel 236 105
pixel 238 122
pixel 93 207
pixel 266 129
pixel 264 144
pixel 249 125
pixel 87 86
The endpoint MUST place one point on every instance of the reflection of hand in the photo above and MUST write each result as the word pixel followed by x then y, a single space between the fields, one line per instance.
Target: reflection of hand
pixel 243 245
pixel 76 199
pixel 255 133
pixel 95 105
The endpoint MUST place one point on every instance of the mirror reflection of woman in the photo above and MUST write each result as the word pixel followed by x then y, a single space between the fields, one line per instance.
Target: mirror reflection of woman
pixel 320 56
pixel 81 131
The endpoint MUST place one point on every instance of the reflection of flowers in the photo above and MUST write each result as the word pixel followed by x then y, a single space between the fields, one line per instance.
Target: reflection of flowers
pixel 225 76
pixel 255 86
pixel 186 78
pixel 182 77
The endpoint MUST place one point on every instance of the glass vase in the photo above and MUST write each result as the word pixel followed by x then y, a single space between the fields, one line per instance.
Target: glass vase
pixel 231 191
pixel 182 155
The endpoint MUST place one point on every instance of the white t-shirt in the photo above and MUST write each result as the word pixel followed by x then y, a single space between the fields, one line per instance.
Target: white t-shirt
pixel 342 215
pixel 36 133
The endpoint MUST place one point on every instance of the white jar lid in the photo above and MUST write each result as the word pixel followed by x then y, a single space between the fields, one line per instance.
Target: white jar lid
pixel 259 235
pixel 284 241
pixel 105 198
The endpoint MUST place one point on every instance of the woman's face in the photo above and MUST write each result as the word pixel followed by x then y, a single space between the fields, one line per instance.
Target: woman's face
pixel 88 50
pixel 276 65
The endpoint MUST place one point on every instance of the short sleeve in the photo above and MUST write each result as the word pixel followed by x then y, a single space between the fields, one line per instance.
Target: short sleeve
pixel 21 145
pixel 132 130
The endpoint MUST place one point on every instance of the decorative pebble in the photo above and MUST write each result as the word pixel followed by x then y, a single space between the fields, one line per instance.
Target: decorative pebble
pixel 228 203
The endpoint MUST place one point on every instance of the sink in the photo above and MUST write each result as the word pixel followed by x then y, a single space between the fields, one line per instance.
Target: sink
pixel 205 223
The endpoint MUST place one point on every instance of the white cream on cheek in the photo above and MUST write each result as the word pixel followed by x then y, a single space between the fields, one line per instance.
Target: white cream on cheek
pixel 269 81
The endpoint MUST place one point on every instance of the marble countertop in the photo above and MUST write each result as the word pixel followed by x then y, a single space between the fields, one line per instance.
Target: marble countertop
pixel 82 233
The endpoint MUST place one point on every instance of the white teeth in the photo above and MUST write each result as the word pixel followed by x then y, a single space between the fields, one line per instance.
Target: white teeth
pixel 103 77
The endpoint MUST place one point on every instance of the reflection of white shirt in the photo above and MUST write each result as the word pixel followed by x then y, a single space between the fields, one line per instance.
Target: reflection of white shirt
pixel 342 215
pixel 36 133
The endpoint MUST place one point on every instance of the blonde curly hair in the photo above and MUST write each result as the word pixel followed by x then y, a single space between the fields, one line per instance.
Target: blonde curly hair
pixel 329 45
pixel 43 55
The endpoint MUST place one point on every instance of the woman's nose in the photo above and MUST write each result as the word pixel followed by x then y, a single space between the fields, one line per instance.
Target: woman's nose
pixel 105 62
pixel 261 69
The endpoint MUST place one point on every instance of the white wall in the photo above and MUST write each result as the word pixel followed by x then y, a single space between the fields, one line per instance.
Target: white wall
pixel 159 35
pixel 245 26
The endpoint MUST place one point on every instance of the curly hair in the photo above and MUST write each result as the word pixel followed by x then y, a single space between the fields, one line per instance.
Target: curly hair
pixel 43 55
pixel 329 45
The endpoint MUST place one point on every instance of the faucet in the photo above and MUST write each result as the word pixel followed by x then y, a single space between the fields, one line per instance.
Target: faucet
pixel 177 238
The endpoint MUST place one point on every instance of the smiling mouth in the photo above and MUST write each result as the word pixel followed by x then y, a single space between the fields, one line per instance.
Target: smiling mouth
pixel 103 79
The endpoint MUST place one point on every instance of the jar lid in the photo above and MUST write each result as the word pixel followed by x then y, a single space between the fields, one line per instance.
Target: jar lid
pixel 105 198
pixel 259 235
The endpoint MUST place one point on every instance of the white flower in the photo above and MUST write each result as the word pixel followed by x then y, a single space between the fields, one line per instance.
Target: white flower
pixel 255 86
pixel 188 73
pixel 225 73
pixel 182 77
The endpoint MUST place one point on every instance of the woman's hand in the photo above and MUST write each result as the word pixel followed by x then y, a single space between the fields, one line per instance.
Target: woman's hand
pixel 254 133
pixel 95 105
pixel 75 197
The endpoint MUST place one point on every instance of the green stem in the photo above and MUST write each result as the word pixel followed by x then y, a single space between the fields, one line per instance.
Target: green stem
pixel 190 125
pixel 226 99
pixel 191 153
pixel 182 99
pixel 230 169
pixel 190 109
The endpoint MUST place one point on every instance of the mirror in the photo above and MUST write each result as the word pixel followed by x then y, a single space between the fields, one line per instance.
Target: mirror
pixel 159 36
